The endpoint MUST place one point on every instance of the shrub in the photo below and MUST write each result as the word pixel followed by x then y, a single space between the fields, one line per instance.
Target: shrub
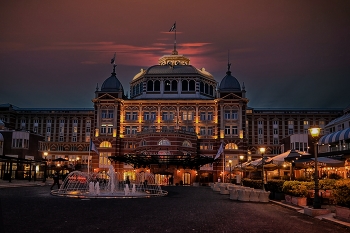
pixel 274 185
pixel 252 183
pixel 296 188
pixel 341 193
pixel 327 184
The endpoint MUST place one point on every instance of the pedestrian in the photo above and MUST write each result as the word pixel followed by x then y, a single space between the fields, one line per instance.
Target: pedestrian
pixel 127 180
pixel 56 180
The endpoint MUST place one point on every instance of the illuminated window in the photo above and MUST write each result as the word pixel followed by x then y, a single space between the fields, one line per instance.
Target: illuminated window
pixel 104 162
pixel 105 144
pixel 231 146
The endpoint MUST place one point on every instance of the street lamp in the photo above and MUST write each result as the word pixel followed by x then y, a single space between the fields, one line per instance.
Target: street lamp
pixel 241 157
pixel 230 164
pixel 262 151
pixel 45 166
pixel 315 134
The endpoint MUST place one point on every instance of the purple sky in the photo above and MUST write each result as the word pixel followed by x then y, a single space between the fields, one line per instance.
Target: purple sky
pixel 290 54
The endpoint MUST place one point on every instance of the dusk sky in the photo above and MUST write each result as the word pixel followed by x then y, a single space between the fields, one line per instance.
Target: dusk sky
pixel 289 54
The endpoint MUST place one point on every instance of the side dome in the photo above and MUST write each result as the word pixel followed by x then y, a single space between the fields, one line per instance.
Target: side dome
pixel 229 83
pixel 112 84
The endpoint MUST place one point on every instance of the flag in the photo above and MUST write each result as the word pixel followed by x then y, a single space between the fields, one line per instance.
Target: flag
pixel 221 149
pixel 113 59
pixel 173 28
pixel 93 147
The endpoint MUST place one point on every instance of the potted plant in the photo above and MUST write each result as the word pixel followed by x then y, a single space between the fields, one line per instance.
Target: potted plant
pixel 296 192
pixel 341 194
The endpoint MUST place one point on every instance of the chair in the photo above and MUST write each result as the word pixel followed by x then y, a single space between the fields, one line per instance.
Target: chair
pixel 264 196
pixel 254 196
pixel 243 194
pixel 234 194
pixel 223 190
pixel 216 187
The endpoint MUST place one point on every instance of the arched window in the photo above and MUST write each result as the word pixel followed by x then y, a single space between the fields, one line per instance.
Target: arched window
pixel 187 143
pixel 192 85
pixel 201 87
pixel 174 85
pixel 184 85
pixel 211 91
pixel 137 89
pixel 231 146
pixel 150 85
pixel 105 144
pixel 206 88
pixel 157 85
pixel 141 87
pixel 164 142
pixel 167 85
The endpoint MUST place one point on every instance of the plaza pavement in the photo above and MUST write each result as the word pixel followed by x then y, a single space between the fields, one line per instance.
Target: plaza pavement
pixel 28 207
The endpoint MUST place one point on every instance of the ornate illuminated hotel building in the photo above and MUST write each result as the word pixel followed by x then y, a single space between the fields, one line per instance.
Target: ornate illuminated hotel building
pixel 172 125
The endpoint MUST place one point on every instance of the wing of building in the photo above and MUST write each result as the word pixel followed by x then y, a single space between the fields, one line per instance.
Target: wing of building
pixel 172 125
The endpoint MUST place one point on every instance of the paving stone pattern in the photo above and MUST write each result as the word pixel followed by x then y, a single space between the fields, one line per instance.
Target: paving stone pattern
pixel 185 209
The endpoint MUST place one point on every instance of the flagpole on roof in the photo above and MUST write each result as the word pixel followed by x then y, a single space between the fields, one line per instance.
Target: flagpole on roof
pixel 173 29
pixel 175 39
pixel 113 62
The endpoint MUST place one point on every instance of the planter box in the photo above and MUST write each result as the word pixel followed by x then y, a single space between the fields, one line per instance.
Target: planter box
pixel 315 212
pixel 300 201
pixel 342 213
pixel 288 198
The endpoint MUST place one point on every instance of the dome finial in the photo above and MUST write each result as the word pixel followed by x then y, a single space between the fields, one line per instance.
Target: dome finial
pixel 228 63
pixel 113 73
pixel 113 62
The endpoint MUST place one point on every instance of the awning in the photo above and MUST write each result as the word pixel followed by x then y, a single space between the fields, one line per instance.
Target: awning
pixel 288 156
pixel 321 161
pixel 335 137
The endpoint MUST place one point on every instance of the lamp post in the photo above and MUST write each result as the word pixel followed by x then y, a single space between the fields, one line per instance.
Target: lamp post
pixel 315 134
pixel 262 151
pixel 230 164
pixel 45 166
pixel 241 157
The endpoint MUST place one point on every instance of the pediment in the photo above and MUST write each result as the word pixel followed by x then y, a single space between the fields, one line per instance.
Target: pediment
pixel 232 96
pixel 105 96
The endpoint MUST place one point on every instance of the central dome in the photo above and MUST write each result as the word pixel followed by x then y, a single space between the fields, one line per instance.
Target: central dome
pixel 172 78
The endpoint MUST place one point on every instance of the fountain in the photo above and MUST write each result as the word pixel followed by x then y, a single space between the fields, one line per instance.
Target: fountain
pixel 83 185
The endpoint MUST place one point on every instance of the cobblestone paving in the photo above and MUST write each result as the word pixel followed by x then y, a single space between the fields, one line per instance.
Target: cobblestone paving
pixel 185 209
